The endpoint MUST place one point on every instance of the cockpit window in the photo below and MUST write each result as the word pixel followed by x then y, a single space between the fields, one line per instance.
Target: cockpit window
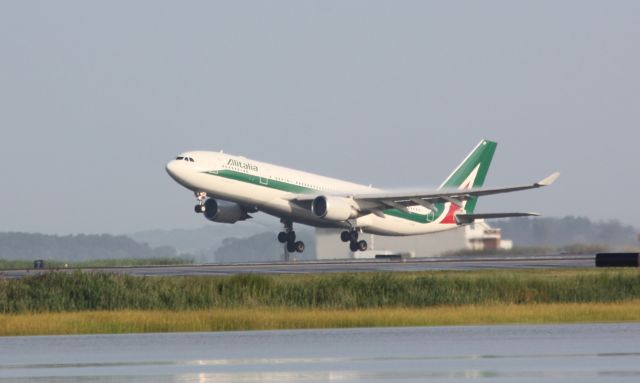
pixel 188 159
pixel 191 159
pixel 179 158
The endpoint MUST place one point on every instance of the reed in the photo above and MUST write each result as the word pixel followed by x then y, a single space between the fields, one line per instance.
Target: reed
pixel 82 291
pixel 137 321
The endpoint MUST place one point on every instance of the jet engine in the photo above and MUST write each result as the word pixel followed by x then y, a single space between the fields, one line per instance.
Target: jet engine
pixel 333 208
pixel 224 212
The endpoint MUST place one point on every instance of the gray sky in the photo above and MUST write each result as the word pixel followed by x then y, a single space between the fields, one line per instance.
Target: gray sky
pixel 95 97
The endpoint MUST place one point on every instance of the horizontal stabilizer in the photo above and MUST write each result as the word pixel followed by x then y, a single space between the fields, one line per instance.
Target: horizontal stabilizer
pixel 469 218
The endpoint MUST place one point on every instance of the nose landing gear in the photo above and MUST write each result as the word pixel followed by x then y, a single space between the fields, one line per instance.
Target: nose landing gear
pixel 351 236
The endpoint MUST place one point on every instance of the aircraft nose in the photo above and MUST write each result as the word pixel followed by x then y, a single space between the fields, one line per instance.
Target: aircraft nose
pixel 172 168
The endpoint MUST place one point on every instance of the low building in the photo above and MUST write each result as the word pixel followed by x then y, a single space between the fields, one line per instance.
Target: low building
pixel 481 236
pixel 329 245
pixel 477 236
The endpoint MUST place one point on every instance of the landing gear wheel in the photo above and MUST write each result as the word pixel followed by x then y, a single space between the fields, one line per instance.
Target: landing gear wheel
pixel 288 237
pixel 353 235
pixel 201 197
pixel 353 245
pixel 345 236
pixel 362 245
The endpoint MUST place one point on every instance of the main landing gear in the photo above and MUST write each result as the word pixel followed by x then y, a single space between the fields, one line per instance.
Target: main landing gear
pixel 288 236
pixel 351 236
pixel 201 196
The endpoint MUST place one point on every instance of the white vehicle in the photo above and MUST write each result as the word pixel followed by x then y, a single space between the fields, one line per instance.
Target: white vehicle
pixel 228 188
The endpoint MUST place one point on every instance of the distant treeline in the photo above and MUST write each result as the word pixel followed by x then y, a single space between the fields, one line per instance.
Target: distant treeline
pixel 566 231
pixel 76 248
pixel 535 232
pixel 262 247
pixel 78 291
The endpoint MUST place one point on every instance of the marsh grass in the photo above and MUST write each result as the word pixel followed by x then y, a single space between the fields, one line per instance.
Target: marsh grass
pixel 82 291
pixel 138 321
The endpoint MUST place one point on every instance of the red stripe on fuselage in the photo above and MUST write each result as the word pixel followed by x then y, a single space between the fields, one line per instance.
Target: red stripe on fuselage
pixel 450 218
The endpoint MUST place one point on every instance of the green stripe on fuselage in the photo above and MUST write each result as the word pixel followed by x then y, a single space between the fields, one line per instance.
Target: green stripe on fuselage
pixel 292 188
pixel 266 182
pixel 420 218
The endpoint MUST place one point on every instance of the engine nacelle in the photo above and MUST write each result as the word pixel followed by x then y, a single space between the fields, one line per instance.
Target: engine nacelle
pixel 224 212
pixel 333 208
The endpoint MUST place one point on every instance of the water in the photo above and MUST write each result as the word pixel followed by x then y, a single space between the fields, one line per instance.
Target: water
pixel 552 353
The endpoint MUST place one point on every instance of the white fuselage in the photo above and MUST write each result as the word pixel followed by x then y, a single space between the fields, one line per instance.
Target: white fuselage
pixel 270 188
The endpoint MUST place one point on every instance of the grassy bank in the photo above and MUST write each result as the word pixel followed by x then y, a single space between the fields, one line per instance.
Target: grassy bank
pixel 59 292
pixel 92 322
pixel 80 303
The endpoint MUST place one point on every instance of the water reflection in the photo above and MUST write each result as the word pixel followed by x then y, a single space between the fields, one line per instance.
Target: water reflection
pixel 552 353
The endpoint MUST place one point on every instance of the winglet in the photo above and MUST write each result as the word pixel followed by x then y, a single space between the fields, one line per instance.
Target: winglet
pixel 549 180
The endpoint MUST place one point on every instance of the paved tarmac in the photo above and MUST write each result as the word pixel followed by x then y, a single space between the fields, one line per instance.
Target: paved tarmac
pixel 351 266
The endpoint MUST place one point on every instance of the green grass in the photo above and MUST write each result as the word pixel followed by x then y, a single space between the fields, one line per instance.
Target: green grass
pixel 82 302
pixel 80 291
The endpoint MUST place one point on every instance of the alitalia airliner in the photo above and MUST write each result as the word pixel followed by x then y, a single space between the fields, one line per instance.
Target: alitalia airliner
pixel 229 188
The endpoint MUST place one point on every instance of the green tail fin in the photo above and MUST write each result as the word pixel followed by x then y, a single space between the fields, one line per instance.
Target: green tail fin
pixel 472 172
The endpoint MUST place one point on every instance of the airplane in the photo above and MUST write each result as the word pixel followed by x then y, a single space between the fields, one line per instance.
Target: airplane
pixel 229 188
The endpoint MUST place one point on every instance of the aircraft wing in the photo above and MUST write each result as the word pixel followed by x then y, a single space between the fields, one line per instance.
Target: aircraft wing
pixel 455 196
pixel 377 202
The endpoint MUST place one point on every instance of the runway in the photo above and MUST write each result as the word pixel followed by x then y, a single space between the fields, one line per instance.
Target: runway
pixel 346 266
